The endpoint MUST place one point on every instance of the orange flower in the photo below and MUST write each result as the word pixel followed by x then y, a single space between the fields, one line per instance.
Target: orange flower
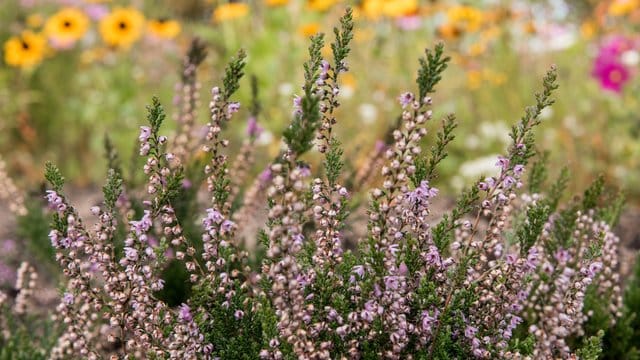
pixel 320 5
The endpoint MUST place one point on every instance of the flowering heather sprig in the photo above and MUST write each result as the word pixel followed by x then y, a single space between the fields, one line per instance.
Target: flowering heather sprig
pixel 25 284
pixel 245 158
pixel 222 109
pixel 9 192
pixel 187 99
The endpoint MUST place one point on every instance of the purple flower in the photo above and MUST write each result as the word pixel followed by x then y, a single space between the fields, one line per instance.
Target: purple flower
pixel 239 314
pixel 232 108
pixel 67 299
pixel 428 321
pixel 391 282
pixel 297 105
pixel 131 253
pixel 503 163
pixel 562 256
pixel 359 270
pixel 432 257
pixel 145 133
pixel 508 182
pixel 253 129
pixel 594 268
pixel 403 270
pixel 213 218
pixel 96 11
pixel 470 331
pixel 518 170
pixel 227 226
pixel 405 99
pixel 184 313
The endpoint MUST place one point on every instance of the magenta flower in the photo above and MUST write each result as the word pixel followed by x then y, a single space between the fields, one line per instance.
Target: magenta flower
pixel 611 75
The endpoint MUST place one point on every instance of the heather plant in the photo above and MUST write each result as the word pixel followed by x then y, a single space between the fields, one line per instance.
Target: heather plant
pixel 510 272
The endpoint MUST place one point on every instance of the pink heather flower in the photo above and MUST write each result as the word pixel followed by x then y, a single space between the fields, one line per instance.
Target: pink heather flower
pixel 429 321
pixel 213 218
pixel 305 171
pixel 227 226
pixel 239 314
pixel 297 105
pixel 131 253
pixel 405 99
pixel 503 163
pixel 184 313
pixel 518 170
pixel 562 256
pixel 403 269
pixel 359 270
pixel 511 259
pixel 594 268
pixel 391 282
pixel 432 257
pixel 253 129
pixel 408 23
pixel 67 299
pixel 96 11
pixel 186 183
pixel 233 108
pixel 145 133
pixel 470 331
pixel 508 182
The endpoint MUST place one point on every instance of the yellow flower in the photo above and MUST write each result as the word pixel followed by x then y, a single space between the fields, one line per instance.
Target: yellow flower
pixel 588 29
pixel 67 26
pixel 474 79
pixel 309 29
pixel 372 8
pixel 230 11
pixel 26 50
pixel 622 7
pixel 469 18
pixel 122 27
pixel 163 28
pixel 398 8
pixel 320 5
pixel 449 31
pixel 276 2
pixel 35 21
pixel 477 49
pixel 496 78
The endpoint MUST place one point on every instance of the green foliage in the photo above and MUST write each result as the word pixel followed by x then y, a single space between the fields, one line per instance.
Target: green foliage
pixel 592 348
pixel 340 47
pixel 592 194
pixel 610 213
pixel 557 189
pixel 112 189
pixel 233 73
pixel 256 106
pixel 54 177
pixel 333 163
pixel 155 115
pixel 529 232
pixel 430 71
pixel 538 174
pixel 427 170
pixel 443 231
pixel 523 139
pixel 33 229
pixel 300 134
pixel 29 338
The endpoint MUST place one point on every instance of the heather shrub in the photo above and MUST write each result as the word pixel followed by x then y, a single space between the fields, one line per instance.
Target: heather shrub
pixel 172 267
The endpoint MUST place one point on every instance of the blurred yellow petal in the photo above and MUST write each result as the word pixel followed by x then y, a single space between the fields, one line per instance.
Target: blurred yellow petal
pixel 276 2
pixel 26 50
pixel 164 28
pixel 309 29
pixel 122 27
pixel 230 11
pixel 67 25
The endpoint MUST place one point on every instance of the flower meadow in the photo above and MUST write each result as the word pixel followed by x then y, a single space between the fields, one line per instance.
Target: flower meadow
pixel 203 249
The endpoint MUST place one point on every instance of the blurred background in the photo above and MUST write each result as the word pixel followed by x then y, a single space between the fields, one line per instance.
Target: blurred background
pixel 73 71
